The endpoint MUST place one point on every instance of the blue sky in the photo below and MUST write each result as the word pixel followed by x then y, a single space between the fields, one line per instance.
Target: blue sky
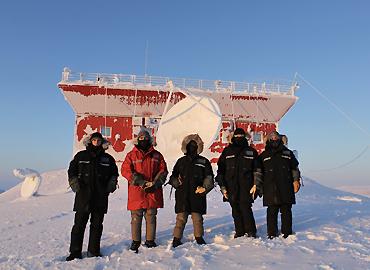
pixel 327 42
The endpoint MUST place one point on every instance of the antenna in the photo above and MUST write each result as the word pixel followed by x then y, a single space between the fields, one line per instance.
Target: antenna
pixel 146 57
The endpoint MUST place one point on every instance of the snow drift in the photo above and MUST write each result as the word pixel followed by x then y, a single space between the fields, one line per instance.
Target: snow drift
pixel 332 231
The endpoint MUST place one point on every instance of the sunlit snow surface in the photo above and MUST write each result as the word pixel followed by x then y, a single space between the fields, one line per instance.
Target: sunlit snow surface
pixel 332 231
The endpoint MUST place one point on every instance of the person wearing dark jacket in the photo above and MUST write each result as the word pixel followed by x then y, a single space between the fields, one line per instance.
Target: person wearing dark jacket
pixel 192 177
pixel 92 175
pixel 279 178
pixel 236 167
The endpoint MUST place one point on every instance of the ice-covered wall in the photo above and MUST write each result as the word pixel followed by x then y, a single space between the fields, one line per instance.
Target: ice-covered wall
pixel 150 101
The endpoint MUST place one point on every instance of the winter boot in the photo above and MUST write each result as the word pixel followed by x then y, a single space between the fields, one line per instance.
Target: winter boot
pixel 73 256
pixel 135 246
pixel 176 242
pixel 200 240
pixel 91 254
pixel 150 244
pixel 251 234
pixel 237 235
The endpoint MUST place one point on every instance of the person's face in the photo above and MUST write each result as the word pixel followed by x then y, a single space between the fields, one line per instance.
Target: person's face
pixel 274 137
pixel 96 141
pixel 143 138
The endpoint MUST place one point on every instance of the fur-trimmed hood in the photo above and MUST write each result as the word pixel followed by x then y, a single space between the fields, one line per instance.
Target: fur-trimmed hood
pixel 192 137
pixel 231 135
pixel 146 132
pixel 272 133
pixel 87 140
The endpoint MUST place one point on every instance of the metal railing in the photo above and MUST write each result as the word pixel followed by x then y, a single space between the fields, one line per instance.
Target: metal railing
pixel 117 80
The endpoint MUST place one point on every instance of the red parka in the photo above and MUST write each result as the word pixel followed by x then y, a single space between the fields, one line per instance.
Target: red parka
pixel 149 164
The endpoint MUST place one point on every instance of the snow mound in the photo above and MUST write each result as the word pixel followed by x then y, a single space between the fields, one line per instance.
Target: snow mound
pixel 53 182
pixel 349 199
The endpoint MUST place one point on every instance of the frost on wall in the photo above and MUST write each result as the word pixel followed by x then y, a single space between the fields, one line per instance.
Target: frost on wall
pixel 250 127
pixel 120 129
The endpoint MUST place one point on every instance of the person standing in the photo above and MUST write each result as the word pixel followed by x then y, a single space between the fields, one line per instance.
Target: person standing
pixel 146 171
pixel 236 167
pixel 192 177
pixel 280 179
pixel 92 175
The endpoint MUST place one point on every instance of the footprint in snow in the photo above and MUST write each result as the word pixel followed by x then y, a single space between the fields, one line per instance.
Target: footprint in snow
pixel 316 237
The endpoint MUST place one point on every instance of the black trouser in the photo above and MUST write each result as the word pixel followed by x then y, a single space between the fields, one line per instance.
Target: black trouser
pixel 243 218
pixel 286 219
pixel 78 230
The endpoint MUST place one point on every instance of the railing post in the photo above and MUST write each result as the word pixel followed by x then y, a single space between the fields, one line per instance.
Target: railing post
pixel 66 72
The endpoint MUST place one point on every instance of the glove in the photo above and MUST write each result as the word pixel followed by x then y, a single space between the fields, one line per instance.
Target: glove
pixel 224 193
pixel 161 177
pixel 159 180
pixel 296 185
pixel 138 179
pixel 208 183
pixel 253 191
pixel 200 190
pixel 176 182
pixel 73 183
pixel 150 186
pixel 112 184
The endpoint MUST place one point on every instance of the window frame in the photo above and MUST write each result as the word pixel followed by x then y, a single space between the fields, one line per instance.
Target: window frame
pixel 104 133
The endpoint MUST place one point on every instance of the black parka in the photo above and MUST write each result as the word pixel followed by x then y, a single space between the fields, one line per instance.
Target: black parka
pixel 277 166
pixel 93 170
pixel 193 172
pixel 235 172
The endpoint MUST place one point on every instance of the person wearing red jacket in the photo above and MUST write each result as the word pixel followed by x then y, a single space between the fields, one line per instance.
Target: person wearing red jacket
pixel 146 171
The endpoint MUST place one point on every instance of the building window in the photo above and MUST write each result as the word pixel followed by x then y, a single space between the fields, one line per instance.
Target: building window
pixel 257 137
pixel 106 131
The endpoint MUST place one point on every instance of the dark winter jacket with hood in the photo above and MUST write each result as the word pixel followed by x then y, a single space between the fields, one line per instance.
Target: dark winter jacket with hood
pixel 236 166
pixel 279 169
pixel 94 169
pixel 191 171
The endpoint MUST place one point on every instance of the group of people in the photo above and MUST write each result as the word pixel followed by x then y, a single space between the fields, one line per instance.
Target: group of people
pixel 242 175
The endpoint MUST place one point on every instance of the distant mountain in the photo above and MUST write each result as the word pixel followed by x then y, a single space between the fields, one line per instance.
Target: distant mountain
pixel 361 190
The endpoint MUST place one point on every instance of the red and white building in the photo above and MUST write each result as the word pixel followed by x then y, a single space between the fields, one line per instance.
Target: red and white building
pixel 117 105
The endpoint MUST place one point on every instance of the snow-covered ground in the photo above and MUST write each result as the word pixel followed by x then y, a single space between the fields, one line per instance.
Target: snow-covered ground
pixel 332 232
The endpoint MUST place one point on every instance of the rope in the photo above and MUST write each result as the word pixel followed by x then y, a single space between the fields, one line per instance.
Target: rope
pixel 335 106
pixel 135 102
pixel 345 164
pixel 105 110
pixel 353 122
pixel 232 107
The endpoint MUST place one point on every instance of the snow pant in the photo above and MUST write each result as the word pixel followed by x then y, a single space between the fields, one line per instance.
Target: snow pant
pixel 243 218
pixel 150 216
pixel 286 219
pixel 182 219
pixel 78 230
